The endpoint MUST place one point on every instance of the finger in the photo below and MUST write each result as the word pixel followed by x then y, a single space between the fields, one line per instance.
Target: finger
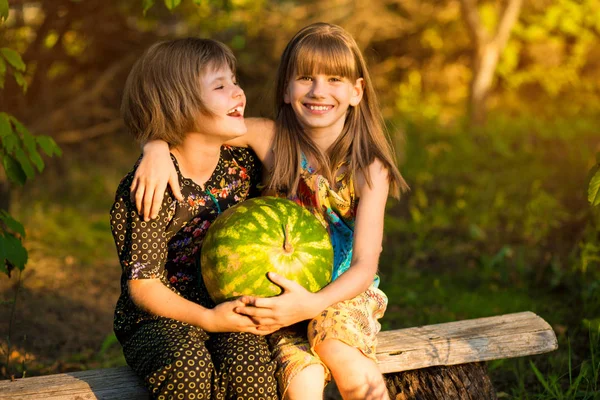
pixel 139 199
pixel 247 300
pixel 268 329
pixel 134 184
pixel 254 312
pixel 148 199
pixel 174 184
pixel 284 283
pixel 262 302
pixel 157 199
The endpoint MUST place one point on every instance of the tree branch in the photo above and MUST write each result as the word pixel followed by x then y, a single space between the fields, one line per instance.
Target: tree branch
pixel 475 27
pixel 80 135
pixel 507 21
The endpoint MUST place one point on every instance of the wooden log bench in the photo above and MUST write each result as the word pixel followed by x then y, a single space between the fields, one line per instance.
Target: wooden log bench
pixel 437 362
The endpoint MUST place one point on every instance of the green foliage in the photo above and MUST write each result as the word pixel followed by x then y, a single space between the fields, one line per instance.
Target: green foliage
pixel 585 386
pixel 3 10
pixel 172 4
pixel 20 158
pixel 497 221
pixel 594 186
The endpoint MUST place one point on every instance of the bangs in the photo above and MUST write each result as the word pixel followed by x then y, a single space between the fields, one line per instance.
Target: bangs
pixel 220 57
pixel 320 54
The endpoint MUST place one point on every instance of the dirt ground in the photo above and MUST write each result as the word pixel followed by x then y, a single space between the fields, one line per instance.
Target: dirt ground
pixel 63 315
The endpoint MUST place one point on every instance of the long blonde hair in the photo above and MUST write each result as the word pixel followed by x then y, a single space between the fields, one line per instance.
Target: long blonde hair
pixel 323 48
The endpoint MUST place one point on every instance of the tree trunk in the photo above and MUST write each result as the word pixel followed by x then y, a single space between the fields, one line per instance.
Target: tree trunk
pixel 485 62
pixel 487 49
pixel 457 382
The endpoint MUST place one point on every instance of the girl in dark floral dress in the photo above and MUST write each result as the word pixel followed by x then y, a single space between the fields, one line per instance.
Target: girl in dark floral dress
pixel 173 335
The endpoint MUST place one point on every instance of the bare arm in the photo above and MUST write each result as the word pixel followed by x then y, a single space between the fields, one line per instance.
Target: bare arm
pixel 156 170
pixel 154 297
pixel 259 138
pixel 296 303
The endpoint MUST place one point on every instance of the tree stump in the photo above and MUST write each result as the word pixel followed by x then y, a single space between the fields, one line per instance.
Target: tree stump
pixel 456 382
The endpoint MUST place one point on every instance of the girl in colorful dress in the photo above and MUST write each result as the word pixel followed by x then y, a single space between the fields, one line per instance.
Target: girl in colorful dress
pixel 327 151
pixel 184 92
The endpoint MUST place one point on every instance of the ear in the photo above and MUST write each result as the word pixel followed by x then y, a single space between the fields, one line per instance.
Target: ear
pixel 357 92
pixel 286 95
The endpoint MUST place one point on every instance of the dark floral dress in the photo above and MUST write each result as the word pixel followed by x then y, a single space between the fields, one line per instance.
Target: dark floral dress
pixel 177 360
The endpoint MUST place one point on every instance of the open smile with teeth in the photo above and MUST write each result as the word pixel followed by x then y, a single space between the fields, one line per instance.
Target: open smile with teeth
pixel 237 111
pixel 318 107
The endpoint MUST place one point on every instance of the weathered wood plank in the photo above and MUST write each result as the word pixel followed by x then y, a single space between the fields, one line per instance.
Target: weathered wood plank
pixel 461 342
pixel 452 343
pixel 102 384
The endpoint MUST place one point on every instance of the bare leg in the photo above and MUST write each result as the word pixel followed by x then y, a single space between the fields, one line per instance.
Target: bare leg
pixel 308 384
pixel 356 376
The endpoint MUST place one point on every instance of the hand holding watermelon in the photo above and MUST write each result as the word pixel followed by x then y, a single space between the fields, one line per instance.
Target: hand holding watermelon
pixel 223 318
pixel 295 304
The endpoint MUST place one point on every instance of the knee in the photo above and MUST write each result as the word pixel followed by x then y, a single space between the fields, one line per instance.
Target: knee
pixel 250 371
pixel 188 372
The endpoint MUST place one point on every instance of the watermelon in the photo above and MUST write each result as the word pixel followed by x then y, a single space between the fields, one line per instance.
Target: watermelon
pixel 260 235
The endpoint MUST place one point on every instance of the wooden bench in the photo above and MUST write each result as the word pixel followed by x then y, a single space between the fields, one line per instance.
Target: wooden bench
pixel 442 361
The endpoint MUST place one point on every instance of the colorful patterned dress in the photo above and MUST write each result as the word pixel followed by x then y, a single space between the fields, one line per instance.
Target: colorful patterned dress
pixel 353 321
pixel 177 360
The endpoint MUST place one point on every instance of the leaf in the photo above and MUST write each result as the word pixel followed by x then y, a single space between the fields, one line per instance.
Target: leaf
pixel 48 145
pixel 16 254
pixel 13 58
pixel 171 4
pixel 3 9
pixel 10 141
pixel 25 163
pixel 108 341
pixel 5 128
pixel 19 127
pixel 31 146
pixel 147 4
pixel 594 187
pixel 12 223
pixel 13 170
pixel 2 71
pixel 2 251
pixel 541 378
pixel 20 80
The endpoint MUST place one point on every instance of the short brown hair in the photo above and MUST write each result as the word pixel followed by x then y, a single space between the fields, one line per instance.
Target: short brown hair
pixel 162 96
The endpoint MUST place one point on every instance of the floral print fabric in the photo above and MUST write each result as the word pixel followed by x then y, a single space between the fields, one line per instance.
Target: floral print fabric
pixel 168 247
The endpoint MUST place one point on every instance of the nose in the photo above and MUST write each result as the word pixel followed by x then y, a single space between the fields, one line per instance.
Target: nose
pixel 237 92
pixel 317 89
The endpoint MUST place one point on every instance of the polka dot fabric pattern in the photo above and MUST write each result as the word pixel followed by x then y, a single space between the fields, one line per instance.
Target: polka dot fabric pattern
pixel 180 361
pixel 176 360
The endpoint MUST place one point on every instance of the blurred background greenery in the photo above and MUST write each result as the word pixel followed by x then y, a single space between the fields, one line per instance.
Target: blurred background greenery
pixel 493 107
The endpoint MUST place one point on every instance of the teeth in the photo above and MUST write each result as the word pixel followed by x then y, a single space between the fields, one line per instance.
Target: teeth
pixel 318 108
pixel 235 109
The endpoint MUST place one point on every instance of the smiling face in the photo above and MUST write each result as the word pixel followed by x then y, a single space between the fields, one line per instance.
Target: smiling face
pixel 224 101
pixel 320 101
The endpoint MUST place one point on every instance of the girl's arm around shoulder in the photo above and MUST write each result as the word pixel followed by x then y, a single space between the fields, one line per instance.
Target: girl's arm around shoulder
pixel 259 138
pixel 156 170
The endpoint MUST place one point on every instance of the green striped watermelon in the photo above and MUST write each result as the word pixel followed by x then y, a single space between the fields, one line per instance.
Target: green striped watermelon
pixel 260 235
